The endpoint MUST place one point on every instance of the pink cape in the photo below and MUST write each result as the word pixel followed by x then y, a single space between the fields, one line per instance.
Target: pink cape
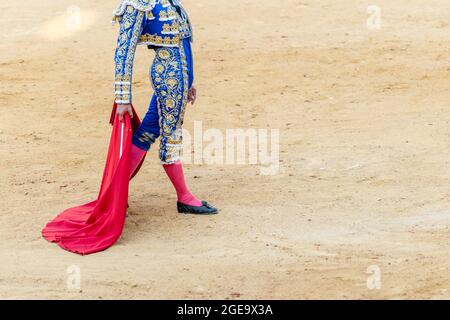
pixel 97 225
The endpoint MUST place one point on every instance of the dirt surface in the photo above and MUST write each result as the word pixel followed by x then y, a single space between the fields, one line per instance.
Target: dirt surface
pixel 364 166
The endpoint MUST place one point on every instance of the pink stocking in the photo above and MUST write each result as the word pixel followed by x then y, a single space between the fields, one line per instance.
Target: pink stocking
pixel 136 157
pixel 176 176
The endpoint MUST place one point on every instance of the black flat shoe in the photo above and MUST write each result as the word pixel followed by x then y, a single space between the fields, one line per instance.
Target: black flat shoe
pixel 205 209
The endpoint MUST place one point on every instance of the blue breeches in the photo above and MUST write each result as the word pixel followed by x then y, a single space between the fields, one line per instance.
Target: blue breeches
pixel 171 75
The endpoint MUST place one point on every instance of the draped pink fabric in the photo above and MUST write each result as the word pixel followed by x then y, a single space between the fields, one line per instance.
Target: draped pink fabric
pixel 97 225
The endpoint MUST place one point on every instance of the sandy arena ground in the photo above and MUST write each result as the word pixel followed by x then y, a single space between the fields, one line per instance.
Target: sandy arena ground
pixel 364 176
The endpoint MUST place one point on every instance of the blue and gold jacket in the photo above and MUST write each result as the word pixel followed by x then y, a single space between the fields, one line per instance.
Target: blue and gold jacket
pixel 156 23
